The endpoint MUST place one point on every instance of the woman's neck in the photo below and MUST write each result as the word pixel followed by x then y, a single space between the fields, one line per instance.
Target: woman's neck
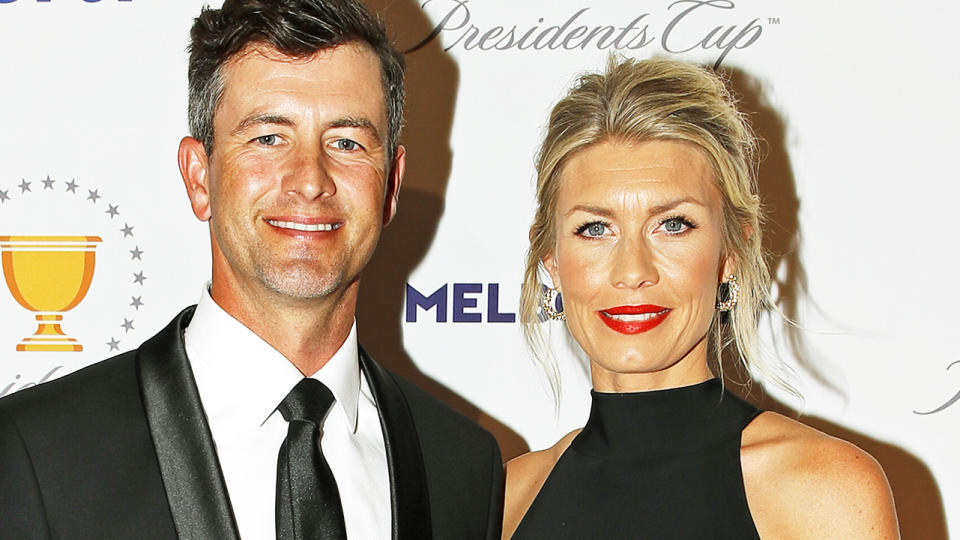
pixel 689 370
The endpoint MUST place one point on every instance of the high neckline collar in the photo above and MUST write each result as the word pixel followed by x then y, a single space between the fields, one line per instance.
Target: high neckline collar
pixel 655 423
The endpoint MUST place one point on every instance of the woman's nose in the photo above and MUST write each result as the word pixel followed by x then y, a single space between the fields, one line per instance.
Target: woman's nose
pixel 633 265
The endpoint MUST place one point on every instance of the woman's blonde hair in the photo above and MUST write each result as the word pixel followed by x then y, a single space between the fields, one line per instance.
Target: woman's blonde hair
pixel 635 101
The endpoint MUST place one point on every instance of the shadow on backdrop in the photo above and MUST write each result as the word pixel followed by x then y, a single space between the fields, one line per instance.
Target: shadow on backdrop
pixel 432 79
pixel 915 491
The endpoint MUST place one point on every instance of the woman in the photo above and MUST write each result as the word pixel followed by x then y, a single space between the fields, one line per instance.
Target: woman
pixel 648 223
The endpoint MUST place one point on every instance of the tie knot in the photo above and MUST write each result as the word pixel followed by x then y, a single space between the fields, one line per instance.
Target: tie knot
pixel 309 400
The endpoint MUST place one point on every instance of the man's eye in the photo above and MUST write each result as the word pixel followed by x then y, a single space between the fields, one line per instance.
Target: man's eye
pixel 594 229
pixel 346 145
pixel 267 140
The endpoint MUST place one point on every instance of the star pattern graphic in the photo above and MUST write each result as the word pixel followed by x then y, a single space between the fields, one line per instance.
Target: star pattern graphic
pixel 113 210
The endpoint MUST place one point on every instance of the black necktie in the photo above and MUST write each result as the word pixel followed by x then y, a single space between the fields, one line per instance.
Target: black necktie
pixel 308 502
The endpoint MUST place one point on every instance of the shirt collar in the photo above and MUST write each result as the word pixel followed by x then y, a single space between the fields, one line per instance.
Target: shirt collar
pixel 240 374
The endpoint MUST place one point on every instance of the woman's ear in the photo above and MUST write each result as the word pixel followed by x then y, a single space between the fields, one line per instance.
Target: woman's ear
pixel 548 262
pixel 728 267
pixel 728 264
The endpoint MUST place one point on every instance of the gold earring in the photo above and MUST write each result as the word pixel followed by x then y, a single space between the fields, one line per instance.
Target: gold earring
pixel 728 294
pixel 547 303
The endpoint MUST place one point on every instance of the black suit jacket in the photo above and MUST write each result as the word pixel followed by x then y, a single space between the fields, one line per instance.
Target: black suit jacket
pixel 122 449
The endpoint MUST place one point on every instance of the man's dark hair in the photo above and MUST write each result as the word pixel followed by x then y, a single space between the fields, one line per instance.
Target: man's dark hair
pixel 297 28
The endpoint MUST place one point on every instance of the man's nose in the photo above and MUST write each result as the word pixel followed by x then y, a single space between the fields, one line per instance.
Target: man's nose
pixel 309 176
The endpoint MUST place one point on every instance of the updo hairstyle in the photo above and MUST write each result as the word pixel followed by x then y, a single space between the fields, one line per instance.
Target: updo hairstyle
pixel 638 101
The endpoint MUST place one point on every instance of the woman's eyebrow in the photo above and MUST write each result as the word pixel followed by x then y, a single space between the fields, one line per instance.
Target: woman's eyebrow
pixel 670 205
pixel 660 208
pixel 598 210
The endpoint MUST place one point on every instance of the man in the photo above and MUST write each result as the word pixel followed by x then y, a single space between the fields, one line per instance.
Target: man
pixel 206 431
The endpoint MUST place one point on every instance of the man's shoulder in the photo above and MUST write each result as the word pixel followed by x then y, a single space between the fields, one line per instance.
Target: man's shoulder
pixel 108 389
pixel 92 390
pixel 431 414
pixel 463 467
pixel 80 459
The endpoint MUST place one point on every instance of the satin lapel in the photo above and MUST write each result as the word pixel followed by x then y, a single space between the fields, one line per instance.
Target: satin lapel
pixel 188 461
pixel 408 481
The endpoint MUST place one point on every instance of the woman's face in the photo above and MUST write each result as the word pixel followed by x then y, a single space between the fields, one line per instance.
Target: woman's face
pixel 638 261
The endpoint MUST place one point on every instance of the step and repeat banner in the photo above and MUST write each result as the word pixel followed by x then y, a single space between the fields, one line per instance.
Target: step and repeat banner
pixel 855 102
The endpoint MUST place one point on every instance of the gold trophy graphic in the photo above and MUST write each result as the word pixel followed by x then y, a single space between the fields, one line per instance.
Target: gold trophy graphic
pixel 48 275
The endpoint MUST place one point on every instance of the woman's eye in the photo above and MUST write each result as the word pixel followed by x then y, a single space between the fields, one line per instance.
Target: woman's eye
pixel 676 225
pixel 267 140
pixel 346 145
pixel 592 230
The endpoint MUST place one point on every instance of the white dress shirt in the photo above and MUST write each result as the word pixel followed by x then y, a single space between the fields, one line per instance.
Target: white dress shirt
pixel 242 380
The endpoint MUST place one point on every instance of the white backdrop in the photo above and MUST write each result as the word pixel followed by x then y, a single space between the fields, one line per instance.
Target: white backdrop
pixel 856 101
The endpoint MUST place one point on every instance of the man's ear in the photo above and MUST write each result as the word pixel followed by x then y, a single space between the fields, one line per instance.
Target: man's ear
pixel 195 168
pixel 394 179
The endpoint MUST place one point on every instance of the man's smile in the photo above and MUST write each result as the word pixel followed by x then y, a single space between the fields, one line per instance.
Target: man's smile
pixel 304 225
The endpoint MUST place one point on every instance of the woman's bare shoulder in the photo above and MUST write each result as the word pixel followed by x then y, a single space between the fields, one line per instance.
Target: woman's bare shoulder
pixel 802 483
pixel 525 476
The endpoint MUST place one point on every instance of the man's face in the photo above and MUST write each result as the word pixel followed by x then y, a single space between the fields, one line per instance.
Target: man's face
pixel 298 183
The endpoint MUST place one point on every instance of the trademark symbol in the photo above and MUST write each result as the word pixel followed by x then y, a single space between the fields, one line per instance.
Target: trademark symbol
pixel 773 20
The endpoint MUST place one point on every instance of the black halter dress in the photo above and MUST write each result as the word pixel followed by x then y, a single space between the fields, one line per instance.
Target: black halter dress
pixel 650 465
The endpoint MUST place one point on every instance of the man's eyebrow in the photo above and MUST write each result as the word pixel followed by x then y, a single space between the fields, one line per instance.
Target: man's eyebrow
pixel 262 118
pixel 357 122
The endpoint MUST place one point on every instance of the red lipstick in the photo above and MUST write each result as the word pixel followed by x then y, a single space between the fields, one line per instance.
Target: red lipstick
pixel 654 316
